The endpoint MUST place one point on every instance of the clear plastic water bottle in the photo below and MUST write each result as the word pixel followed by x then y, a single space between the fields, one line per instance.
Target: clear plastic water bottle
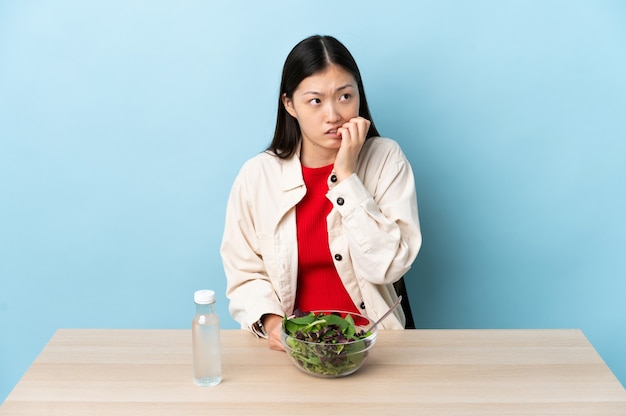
pixel 205 333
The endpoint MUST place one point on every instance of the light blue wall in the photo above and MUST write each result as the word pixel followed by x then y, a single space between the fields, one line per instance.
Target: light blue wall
pixel 123 124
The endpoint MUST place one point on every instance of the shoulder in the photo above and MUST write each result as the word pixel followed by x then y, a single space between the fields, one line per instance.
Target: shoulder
pixel 382 148
pixel 260 162
pixel 268 169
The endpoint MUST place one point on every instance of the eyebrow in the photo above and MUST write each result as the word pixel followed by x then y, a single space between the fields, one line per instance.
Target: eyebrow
pixel 343 87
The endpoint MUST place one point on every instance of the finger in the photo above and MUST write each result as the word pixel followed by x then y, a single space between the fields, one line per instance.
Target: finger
pixel 363 126
pixel 344 132
pixel 358 128
pixel 355 130
pixel 275 344
pixel 349 130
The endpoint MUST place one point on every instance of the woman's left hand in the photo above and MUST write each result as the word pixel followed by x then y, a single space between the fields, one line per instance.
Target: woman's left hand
pixel 353 134
pixel 272 324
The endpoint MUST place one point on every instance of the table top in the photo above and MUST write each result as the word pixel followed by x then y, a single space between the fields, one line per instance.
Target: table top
pixel 413 372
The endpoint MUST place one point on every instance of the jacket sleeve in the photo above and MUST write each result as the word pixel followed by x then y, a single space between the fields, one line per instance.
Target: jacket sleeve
pixel 248 287
pixel 379 216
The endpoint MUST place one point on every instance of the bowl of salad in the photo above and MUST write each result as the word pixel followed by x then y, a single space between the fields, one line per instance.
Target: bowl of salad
pixel 328 343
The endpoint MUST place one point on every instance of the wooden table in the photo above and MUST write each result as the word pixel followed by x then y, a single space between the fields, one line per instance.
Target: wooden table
pixel 413 372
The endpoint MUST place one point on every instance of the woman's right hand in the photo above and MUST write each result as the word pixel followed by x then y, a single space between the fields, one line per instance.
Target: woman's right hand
pixel 353 135
pixel 271 324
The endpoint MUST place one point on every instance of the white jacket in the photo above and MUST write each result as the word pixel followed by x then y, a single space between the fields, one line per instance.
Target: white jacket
pixel 374 228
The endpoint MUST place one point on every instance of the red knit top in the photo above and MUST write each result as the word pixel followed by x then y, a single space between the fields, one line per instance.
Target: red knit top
pixel 319 284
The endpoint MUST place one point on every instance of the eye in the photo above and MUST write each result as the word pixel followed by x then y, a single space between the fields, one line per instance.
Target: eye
pixel 315 101
pixel 345 97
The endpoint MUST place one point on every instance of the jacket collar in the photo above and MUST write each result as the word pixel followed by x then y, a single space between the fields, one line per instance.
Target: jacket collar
pixel 291 175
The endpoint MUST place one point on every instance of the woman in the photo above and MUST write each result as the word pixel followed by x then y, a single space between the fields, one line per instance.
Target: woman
pixel 326 217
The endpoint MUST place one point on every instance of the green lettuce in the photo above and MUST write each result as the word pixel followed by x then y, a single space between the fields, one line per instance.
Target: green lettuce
pixel 332 346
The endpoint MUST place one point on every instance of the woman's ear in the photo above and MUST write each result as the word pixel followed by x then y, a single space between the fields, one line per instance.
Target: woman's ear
pixel 288 103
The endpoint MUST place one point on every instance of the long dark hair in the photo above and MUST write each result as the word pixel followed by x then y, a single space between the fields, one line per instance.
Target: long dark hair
pixel 310 56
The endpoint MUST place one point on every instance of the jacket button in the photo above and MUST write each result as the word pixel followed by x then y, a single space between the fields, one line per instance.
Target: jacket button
pixel 362 305
pixel 333 178
pixel 338 257
pixel 340 201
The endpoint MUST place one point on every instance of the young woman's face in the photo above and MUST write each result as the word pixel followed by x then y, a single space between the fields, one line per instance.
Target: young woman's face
pixel 322 103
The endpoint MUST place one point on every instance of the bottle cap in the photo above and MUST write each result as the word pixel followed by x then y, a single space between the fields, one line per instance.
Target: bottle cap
pixel 204 297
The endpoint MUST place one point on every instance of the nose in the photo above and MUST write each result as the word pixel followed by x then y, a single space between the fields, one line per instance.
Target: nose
pixel 332 114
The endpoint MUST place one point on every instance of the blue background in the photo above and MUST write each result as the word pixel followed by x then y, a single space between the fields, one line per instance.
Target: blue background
pixel 124 123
